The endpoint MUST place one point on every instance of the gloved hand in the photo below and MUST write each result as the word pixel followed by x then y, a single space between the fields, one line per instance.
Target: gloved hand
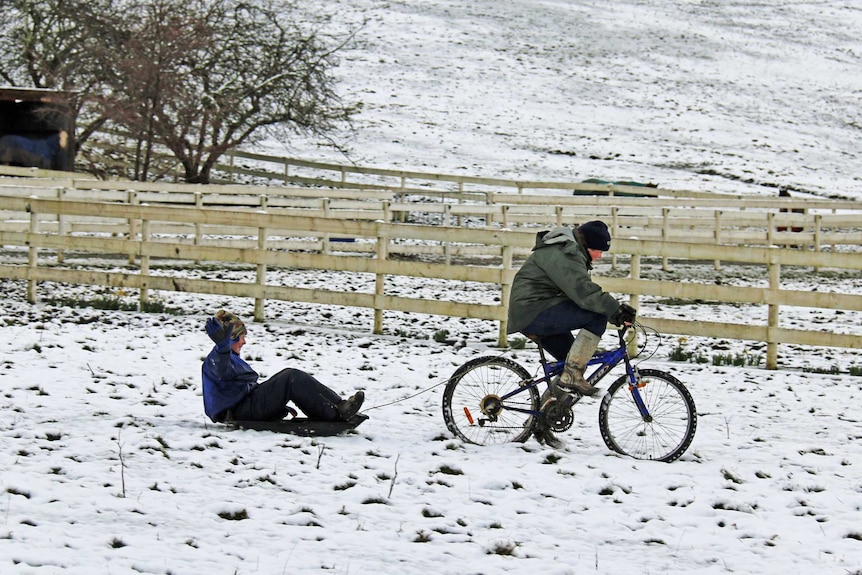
pixel 219 332
pixel 625 314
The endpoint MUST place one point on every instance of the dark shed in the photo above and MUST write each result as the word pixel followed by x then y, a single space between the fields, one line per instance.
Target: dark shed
pixel 34 132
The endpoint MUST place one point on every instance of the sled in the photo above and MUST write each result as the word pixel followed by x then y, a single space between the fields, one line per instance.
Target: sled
pixel 302 426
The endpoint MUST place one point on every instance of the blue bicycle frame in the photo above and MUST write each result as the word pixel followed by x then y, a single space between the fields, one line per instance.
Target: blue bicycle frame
pixel 606 360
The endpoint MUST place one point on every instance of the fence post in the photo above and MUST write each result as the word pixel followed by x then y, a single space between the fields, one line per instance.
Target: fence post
pixel 32 256
pixel 401 196
pixel 614 228
pixel 132 200
pixel 770 228
pixel 818 222
pixel 327 247
pixel 447 221
pixel 380 281
pixel 145 263
pixel 665 213
pixel 199 204
pixel 261 275
pixel 634 301
pixel 717 263
pixel 61 224
pixel 772 319
pixel 460 218
pixel 505 293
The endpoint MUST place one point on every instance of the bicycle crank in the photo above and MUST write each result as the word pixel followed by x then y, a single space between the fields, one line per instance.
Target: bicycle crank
pixel 559 416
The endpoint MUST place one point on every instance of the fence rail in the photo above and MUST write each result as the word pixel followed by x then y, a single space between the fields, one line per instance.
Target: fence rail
pixel 257 237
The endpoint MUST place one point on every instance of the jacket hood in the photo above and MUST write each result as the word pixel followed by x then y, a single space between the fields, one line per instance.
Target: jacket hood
pixel 573 240
pixel 556 235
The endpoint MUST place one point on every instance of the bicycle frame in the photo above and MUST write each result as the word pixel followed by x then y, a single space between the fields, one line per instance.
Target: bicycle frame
pixel 605 360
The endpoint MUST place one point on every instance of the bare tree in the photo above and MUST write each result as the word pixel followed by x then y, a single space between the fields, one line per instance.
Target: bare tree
pixel 198 77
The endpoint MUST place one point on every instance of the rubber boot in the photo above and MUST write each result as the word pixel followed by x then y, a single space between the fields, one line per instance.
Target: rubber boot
pixel 580 353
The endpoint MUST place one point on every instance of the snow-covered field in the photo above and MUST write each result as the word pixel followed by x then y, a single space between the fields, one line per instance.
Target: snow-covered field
pixel 731 95
pixel 110 466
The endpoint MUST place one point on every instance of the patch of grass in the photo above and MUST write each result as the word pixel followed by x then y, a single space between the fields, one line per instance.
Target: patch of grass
pixel 114 303
pixel 422 536
pixel 731 477
pixel 441 335
pixel 234 515
pixel 14 491
pixel 738 360
pixel 506 548
pixel 407 334
pixel 831 370
pixel 552 458
pixel 116 543
pixel 447 470
pixel 679 353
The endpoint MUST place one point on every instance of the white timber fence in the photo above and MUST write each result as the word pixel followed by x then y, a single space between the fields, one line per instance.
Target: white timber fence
pixel 45 227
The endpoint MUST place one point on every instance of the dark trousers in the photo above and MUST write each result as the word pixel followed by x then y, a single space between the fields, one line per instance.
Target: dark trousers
pixel 268 401
pixel 554 327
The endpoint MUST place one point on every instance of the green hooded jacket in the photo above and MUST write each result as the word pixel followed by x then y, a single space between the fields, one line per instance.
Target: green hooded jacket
pixel 557 270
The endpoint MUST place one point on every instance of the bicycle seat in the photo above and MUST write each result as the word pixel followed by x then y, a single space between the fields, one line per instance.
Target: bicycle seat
pixel 538 341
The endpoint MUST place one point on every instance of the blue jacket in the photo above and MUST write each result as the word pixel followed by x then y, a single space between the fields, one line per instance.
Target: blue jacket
pixel 227 378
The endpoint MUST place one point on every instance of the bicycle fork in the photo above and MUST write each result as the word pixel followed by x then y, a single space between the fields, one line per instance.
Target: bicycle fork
pixel 635 385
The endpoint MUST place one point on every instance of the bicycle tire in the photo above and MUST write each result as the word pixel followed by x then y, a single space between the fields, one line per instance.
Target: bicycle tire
pixel 674 417
pixel 474 382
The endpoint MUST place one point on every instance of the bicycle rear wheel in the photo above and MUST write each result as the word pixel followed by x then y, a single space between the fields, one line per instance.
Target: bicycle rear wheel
pixel 472 406
pixel 672 422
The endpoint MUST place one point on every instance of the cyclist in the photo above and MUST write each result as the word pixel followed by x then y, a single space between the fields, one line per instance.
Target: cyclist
pixel 552 294
pixel 231 390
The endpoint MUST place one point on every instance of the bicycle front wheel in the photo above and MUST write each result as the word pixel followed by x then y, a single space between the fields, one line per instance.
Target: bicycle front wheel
pixel 665 433
pixel 473 404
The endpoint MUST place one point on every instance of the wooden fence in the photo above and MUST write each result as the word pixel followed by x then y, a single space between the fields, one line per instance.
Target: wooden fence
pixel 293 171
pixel 717 220
pixel 267 237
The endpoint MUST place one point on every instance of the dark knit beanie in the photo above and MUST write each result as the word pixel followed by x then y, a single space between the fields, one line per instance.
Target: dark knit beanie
pixel 596 235
pixel 238 327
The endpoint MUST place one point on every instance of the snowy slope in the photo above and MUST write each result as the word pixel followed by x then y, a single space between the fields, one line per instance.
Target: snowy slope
pixel 731 96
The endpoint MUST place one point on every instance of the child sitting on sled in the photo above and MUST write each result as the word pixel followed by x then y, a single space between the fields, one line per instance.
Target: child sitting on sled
pixel 232 392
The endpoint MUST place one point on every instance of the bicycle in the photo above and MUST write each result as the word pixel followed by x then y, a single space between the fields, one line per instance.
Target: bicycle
pixel 491 400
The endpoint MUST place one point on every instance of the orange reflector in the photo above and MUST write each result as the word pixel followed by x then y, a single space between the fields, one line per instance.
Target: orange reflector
pixel 468 415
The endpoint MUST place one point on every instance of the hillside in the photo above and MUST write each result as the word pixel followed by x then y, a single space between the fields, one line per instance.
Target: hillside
pixel 730 96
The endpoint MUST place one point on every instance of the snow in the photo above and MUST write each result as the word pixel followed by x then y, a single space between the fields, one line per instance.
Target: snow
pixel 110 466
pixel 729 96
